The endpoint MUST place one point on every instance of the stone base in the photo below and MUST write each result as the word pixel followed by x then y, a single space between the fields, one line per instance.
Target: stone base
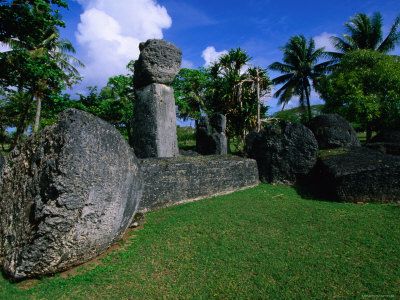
pixel 154 125
pixel 361 175
pixel 170 181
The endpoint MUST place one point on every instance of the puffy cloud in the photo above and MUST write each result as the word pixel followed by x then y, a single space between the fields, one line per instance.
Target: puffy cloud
pixel 210 55
pixel 187 64
pixel 109 34
pixel 4 47
pixel 324 40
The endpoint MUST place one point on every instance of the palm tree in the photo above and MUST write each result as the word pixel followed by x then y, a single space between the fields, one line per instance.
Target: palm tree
pixel 261 86
pixel 56 51
pixel 365 32
pixel 301 70
pixel 51 56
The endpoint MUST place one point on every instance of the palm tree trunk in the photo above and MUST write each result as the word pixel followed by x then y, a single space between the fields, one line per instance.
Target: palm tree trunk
pixel 308 105
pixel 258 107
pixel 38 112
pixel 21 126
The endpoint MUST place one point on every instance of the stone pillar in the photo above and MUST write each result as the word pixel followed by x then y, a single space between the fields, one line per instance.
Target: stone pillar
pixel 154 121
pixel 210 135
pixel 218 124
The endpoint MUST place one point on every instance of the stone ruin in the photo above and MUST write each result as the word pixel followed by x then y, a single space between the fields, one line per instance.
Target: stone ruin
pixel 210 135
pixel 154 130
pixel 72 190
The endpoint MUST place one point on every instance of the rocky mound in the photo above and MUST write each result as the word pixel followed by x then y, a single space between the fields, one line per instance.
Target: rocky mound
pixel 333 131
pixel 283 151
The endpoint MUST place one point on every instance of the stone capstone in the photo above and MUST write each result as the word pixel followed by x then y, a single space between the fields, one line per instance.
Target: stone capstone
pixel 154 122
pixel 68 193
pixel 283 151
pixel 333 131
pixel 172 180
pixel 210 135
pixel 159 62
pixel 359 175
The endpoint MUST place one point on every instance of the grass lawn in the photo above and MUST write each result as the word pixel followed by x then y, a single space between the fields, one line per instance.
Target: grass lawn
pixel 265 242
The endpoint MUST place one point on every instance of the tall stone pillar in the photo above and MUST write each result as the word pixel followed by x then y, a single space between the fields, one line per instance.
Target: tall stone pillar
pixel 154 121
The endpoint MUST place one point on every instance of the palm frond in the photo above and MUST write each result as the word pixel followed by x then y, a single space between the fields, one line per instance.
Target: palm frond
pixel 392 39
pixel 281 67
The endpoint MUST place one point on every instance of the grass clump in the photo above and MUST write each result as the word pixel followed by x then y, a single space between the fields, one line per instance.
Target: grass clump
pixel 265 242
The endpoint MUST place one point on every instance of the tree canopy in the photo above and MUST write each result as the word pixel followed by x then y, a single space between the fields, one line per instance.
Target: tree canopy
pixel 301 69
pixel 365 88
pixel 365 32
pixel 38 65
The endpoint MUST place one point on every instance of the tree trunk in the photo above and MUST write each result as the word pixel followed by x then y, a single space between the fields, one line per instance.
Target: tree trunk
pixel 308 106
pixel 38 111
pixel 258 107
pixel 21 124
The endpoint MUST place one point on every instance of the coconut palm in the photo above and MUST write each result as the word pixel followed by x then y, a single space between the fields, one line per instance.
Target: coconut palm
pixel 56 52
pixel 52 65
pixel 261 86
pixel 364 32
pixel 301 70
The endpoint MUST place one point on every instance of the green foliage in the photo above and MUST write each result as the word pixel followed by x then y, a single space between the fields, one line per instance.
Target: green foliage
pixel 301 70
pixel 233 92
pixel 230 87
pixel 190 87
pixel 186 138
pixel 296 115
pixel 114 103
pixel 262 242
pixel 38 65
pixel 364 32
pixel 365 88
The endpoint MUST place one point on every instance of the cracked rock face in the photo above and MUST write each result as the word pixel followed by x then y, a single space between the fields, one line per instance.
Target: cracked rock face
pixel 67 194
pixel 159 62
pixel 283 151
pixel 333 131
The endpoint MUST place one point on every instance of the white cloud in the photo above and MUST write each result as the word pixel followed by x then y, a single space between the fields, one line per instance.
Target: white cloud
pixel 4 47
pixel 324 40
pixel 109 34
pixel 210 55
pixel 187 64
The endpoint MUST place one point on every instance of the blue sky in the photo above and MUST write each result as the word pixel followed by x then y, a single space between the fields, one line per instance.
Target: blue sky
pixel 106 32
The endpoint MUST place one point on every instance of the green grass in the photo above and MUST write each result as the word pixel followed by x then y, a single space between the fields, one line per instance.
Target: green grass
pixel 186 138
pixel 265 242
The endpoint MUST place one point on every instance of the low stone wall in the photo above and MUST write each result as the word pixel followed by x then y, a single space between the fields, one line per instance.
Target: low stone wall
pixel 172 180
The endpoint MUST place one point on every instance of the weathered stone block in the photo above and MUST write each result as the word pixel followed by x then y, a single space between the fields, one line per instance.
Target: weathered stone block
pixel 360 175
pixel 172 180
pixel 333 131
pixel 283 151
pixel 2 163
pixel 154 124
pixel 68 193
pixel 159 62
pixel 210 135
pixel 218 123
